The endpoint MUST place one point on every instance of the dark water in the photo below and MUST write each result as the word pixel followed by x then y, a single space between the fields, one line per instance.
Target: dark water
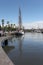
pixel 26 50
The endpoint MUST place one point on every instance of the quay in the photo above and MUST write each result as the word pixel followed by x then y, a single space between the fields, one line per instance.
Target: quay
pixel 4 59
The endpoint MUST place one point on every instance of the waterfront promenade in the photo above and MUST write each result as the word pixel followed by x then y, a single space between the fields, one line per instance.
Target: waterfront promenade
pixel 4 59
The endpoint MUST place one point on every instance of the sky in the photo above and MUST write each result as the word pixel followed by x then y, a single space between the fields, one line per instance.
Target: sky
pixel 31 10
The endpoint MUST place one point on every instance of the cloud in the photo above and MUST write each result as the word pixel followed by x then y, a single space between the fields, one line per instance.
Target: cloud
pixel 36 24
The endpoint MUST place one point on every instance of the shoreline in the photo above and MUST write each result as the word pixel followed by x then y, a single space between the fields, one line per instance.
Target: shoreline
pixel 4 59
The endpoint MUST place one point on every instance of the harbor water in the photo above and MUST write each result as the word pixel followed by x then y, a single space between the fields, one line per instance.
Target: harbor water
pixel 26 49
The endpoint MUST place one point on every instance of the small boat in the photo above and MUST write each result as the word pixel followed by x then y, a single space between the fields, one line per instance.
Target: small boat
pixel 22 32
pixel 19 33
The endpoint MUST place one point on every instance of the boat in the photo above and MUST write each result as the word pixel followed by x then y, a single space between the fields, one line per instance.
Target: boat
pixel 20 26
pixel 18 33
pixel 21 32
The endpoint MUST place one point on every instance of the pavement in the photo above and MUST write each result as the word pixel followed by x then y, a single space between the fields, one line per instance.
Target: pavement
pixel 4 59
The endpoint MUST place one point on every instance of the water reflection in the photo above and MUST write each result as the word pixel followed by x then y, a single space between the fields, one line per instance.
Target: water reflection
pixel 4 43
pixel 20 42
pixel 28 49
pixel 6 47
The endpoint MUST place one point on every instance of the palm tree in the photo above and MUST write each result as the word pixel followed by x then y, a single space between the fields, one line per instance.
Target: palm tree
pixel 0 27
pixel 11 25
pixel 14 26
pixel 2 22
pixel 9 28
pixel 8 23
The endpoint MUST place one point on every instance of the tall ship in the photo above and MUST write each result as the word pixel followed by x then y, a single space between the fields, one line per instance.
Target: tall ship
pixel 20 30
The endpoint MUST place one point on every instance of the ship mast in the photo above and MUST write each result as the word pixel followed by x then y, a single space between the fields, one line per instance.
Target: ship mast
pixel 20 21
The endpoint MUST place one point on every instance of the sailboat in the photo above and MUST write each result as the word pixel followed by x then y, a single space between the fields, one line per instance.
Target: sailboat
pixel 20 30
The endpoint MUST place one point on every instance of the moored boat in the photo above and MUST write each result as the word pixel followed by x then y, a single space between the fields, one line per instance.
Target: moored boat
pixel 19 32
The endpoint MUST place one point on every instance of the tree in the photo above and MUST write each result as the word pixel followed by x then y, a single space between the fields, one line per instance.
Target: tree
pixel 2 22
pixel 8 23
pixel 0 27
pixel 14 26
pixel 11 25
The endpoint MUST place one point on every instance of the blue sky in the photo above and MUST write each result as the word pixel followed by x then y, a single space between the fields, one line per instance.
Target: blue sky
pixel 32 10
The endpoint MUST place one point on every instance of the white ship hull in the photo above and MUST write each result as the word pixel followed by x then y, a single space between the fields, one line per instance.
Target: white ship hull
pixel 19 33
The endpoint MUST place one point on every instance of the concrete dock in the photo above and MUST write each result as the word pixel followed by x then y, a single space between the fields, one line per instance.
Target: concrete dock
pixel 4 59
